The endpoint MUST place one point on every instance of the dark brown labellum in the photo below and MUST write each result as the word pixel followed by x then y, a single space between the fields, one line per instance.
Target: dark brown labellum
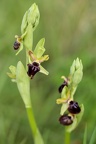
pixel 33 69
pixel 65 120
pixel 74 107
pixel 62 86
pixel 16 45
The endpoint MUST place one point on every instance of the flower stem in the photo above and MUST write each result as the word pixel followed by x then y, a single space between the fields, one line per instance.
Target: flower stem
pixel 31 120
pixel 35 132
pixel 67 137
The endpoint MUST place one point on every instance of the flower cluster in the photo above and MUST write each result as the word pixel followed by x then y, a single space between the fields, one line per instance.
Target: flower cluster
pixel 20 74
pixel 71 112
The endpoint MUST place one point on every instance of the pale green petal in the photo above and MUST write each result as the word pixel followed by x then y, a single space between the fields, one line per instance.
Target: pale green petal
pixel 12 69
pixel 43 58
pixel 12 74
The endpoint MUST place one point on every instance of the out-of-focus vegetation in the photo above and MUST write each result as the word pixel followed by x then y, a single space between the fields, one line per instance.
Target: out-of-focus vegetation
pixel 69 27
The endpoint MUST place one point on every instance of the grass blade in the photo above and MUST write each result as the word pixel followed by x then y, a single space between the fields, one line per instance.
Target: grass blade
pixel 93 137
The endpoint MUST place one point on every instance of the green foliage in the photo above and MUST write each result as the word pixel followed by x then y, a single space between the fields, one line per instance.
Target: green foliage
pixel 69 28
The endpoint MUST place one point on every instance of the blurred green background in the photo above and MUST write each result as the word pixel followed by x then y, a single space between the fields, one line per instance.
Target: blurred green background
pixel 69 27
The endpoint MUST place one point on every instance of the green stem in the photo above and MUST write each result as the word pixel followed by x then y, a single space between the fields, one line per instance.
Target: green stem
pixel 31 120
pixel 67 137
pixel 35 132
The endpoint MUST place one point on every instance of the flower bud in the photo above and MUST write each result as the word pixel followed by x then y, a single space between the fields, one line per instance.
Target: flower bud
pixel 33 16
pixel 76 72
pixel 30 17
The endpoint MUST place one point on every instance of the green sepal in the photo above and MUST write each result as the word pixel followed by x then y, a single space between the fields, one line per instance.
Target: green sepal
pixel 13 72
pixel 28 39
pixel 79 116
pixel 73 125
pixel 76 120
pixel 23 84
pixel 64 107
pixel 44 71
pixel 39 50
pixel 24 23
pixel 20 48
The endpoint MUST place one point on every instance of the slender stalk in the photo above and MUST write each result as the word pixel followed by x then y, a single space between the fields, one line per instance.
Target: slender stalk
pixel 67 137
pixel 35 132
pixel 31 120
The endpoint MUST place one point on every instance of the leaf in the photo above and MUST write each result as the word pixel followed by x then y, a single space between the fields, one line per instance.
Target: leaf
pixel 23 84
pixel 39 50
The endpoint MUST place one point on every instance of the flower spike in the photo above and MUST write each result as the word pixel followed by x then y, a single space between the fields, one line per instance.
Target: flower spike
pixel 67 90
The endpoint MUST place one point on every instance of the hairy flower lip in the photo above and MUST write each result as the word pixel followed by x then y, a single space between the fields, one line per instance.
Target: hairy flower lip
pixel 74 107
pixel 33 69
pixel 65 120
pixel 65 83
pixel 16 45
